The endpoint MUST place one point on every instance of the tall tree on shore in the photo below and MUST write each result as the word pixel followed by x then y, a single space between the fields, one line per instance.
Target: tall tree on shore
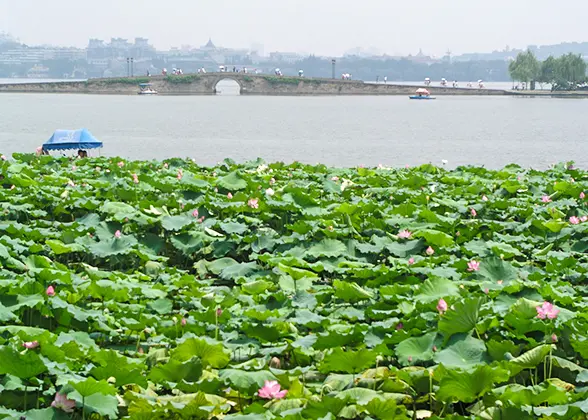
pixel 548 71
pixel 570 70
pixel 525 67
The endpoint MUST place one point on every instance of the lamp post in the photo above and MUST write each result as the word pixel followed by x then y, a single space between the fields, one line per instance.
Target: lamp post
pixel 333 62
pixel 130 66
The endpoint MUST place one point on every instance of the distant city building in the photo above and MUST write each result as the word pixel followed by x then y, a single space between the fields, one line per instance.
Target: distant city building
pixel 286 57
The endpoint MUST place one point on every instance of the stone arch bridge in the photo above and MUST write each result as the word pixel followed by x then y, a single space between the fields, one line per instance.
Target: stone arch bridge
pixel 249 84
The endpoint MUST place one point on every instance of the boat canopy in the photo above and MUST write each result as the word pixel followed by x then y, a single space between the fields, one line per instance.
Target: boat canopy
pixel 72 139
pixel 423 90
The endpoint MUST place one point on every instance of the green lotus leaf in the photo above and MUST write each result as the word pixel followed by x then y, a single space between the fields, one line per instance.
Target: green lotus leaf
pixel 59 247
pixel 213 355
pixel 361 396
pixel 102 404
pixel 189 243
pixel 240 270
pixel 533 357
pixel 462 352
pixel 350 291
pixel 505 250
pixel 417 349
pixel 327 405
pixel 462 317
pixel 161 306
pixel 91 386
pixel 327 248
pixel 435 289
pixel 175 223
pixel 175 371
pixel 248 382
pixel 464 386
pixel 435 238
pixel 384 410
pixel 544 393
pixel 348 361
pixel 234 181
pixel 494 269
pixel 23 366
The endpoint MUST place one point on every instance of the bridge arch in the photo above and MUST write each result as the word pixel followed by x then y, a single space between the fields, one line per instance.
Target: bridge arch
pixel 230 85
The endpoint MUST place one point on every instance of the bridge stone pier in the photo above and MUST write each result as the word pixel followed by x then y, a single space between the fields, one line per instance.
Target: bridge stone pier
pixel 250 84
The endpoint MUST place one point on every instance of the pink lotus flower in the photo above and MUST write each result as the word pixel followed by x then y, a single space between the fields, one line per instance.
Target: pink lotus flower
pixel 201 219
pixel 500 281
pixel 3 157
pixel 484 198
pixel 230 196
pixel 117 234
pixel 458 233
pixel 271 391
pixel 404 234
pixel 180 174
pixel 39 150
pixel 62 403
pixel 434 348
pixel 184 321
pixel 582 195
pixel 473 212
pixel 442 306
pixel 272 181
pixel 253 203
pixel 486 290
pixel 546 199
pixel 335 178
pixel 430 251
pixel 135 178
pixel 30 344
pixel 409 358
pixel 195 213
pixel 473 265
pixel 574 220
pixel 553 338
pixel 547 310
pixel 50 291
pixel 121 164
pixel 74 167
pixel 583 219
pixel 165 165
pixel 399 326
pixel 410 261
pixel 219 311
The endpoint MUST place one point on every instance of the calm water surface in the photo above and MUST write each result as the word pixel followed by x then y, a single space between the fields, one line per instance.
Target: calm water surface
pixel 343 131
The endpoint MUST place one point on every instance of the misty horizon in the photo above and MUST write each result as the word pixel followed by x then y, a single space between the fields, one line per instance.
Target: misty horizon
pixel 328 29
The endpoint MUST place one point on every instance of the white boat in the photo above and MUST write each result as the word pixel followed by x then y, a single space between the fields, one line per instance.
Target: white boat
pixel 146 89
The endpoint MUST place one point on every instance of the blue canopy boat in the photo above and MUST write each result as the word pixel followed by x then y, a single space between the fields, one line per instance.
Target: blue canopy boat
pixel 71 139
pixel 422 93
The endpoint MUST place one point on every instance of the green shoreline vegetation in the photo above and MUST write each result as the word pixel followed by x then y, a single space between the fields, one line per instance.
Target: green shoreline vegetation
pixel 168 290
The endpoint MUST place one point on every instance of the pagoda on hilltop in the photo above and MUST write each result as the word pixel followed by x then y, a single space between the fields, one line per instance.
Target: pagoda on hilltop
pixel 209 46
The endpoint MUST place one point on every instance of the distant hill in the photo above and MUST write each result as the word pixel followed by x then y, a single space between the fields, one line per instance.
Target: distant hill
pixel 540 51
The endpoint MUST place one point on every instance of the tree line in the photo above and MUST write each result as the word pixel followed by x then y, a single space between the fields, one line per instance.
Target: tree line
pixel 567 72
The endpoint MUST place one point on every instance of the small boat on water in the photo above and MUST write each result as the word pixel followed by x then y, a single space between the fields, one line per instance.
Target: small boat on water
pixel 147 89
pixel 422 93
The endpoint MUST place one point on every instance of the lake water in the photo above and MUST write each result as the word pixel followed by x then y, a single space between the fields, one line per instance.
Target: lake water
pixel 343 131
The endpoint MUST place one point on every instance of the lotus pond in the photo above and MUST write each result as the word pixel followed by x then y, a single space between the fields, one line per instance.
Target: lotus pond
pixel 167 290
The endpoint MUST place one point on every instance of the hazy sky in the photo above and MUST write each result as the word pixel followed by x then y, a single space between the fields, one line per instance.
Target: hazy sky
pixel 325 27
